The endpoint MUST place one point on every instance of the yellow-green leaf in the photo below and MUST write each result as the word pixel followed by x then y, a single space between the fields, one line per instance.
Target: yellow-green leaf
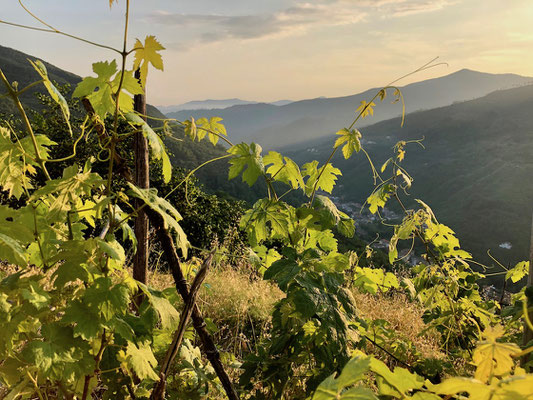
pixel 147 54
pixel 493 358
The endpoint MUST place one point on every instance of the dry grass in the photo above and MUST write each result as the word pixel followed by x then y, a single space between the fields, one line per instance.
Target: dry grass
pixel 238 304
pixel 404 317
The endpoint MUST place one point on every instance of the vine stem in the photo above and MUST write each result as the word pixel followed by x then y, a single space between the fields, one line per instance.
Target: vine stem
pixel 428 65
pixel 35 385
pixel 97 359
pixel 50 29
pixel 14 95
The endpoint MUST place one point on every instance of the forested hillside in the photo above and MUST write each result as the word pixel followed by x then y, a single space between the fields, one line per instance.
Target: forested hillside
pixel 475 170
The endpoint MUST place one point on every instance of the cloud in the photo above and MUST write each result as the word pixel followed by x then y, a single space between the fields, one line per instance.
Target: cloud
pixel 298 18
pixel 400 8
pixel 405 8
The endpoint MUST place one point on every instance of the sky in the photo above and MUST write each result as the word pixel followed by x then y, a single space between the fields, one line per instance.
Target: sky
pixel 268 50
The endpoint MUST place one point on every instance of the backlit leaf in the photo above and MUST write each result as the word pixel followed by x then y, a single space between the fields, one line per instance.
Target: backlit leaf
pixel 247 160
pixel 351 140
pixel 319 178
pixel 140 360
pixel 518 272
pixel 52 90
pixel 99 90
pixel 154 141
pixel 147 54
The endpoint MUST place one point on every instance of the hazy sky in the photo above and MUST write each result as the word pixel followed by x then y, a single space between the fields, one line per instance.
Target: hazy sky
pixel 284 49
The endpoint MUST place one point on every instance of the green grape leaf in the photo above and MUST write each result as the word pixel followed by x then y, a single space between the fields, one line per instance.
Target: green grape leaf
pixel 425 396
pixel 35 295
pixel 267 219
pixel 365 109
pixel 52 90
pixel 105 299
pixel 493 358
pixel 57 353
pixel 191 129
pixel 67 191
pixel 379 197
pixel 319 178
pixel 170 215
pixel 351 140
pixel 406 178
pixel 401 381
pixel 444 239
pixel 283 169
pixel 127 230
pixel 122 328
pixel 43 144
pixel 263 258
pixel 456 385
pixel 147 54
pixel 353 372
pixel 76 258
pixel 213 128
pixel 102 99
pixel 386 164
pixel 12 251
pixel 140 360
pixel 15 165
pixel 518 272
pixel 345 225
pixel 372 280
pixel 167 313
pixel 199 133
pixel 130 87
pixel 85 321
pixel 325 239
pixel 247 160
pixel 282 272
pixel 155 142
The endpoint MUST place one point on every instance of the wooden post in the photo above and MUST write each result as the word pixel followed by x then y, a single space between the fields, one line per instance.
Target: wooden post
pixel 142 180
pixel 171 254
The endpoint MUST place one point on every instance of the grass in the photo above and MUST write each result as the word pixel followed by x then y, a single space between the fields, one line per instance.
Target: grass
pixel 405 318
pixel 240 305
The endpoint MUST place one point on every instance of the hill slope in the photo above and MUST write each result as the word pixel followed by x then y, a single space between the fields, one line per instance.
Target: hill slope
pixel 475 171
pixel 299 121
pixel 17 68
pixel 184 152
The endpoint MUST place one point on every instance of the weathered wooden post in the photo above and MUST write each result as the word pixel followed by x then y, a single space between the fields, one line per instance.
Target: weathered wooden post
pixel 142 180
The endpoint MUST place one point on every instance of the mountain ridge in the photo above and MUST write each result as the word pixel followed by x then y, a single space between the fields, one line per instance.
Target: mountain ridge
pixel 214 104
pixel 312 118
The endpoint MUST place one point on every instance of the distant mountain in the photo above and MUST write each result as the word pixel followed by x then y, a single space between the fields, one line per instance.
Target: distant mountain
pixel 214 105
pixel 475 171
pixel 17 68
pixel 304 120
